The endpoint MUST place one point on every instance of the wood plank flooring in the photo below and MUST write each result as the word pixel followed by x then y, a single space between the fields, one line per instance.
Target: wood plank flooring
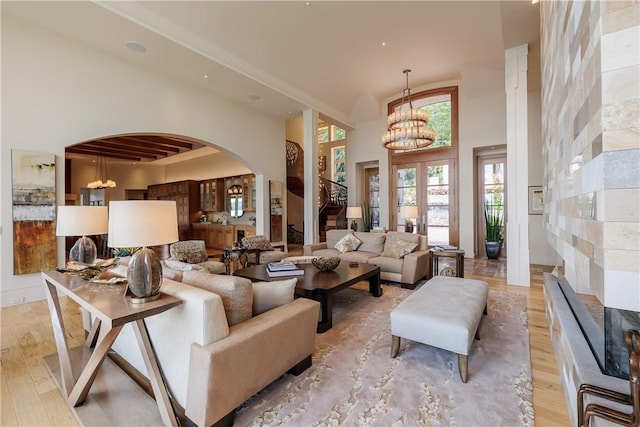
pixel 28 397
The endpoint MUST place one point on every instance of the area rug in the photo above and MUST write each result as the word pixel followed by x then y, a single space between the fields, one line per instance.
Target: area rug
pixel 355 382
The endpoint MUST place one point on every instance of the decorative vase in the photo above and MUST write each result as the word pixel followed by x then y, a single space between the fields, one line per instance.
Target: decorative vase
pixel 493 249
pixel 84 250
pixel 144 276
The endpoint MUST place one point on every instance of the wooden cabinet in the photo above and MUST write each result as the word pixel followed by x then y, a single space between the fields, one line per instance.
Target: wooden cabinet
pixel 248 230
pixel 187 197
pixel 220 236
pixel 199 232
pixel 212 195
pixel 249 192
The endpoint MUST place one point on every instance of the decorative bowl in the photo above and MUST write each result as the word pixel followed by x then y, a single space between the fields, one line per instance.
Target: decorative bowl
pixel 326 263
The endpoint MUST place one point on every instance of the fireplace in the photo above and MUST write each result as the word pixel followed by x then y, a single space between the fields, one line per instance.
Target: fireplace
pixel 604 329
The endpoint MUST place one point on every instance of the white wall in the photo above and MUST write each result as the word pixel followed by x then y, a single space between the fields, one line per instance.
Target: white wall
pixel 540 251
pixel 482 124
pixel 56 93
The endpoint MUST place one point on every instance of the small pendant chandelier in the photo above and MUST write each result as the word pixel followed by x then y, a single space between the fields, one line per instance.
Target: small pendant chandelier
pixel 101 173
pixel 407 128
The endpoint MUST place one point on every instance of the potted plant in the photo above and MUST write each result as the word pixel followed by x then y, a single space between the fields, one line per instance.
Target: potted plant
pixel 366 216
pixel 493 220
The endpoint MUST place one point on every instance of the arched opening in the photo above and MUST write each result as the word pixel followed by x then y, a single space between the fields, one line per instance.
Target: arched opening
pixel 194 173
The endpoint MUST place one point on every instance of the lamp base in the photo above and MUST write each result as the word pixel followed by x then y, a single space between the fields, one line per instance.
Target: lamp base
pixel 144 276
pixel 408 226
pixel 136 300
pixel 354 225
pixel 84 250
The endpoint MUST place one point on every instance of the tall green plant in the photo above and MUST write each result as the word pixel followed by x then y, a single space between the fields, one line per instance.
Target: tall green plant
pixel 366 216
pixel 493 220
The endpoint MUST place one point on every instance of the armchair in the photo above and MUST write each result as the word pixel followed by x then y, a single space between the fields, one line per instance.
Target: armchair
pixel 192 255
pixel 261 251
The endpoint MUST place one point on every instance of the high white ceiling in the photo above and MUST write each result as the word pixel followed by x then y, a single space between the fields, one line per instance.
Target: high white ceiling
pixel 327 55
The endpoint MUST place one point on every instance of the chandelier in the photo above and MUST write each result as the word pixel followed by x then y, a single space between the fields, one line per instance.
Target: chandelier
pixel 407 128
pixel 101 173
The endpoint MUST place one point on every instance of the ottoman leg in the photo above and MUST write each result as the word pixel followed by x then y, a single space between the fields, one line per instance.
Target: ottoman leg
pixel 395 346
pixel 463 367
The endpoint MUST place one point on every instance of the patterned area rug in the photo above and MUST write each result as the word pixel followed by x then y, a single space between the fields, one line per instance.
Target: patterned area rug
pixel 354 381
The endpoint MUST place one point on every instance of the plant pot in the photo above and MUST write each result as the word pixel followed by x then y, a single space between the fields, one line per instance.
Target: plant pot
pixel 492 249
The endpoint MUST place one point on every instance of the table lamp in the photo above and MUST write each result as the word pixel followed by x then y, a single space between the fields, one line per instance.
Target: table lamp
pixel 354 213
pixel 82 221
pixel 408 213
pixel 143 223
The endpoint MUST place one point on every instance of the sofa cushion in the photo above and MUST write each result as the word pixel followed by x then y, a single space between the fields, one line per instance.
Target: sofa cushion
pixel 387 264
pixel 358 256
pixel 333 236
pixel 329 252
pixel 399 249
pixel 236 292
pixel 268 295
pixel 348 243
pixel 170 273
pixel 371 242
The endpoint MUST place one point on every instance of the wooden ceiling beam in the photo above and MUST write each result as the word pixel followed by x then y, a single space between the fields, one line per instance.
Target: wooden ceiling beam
pixel 130 147
pixel 120 155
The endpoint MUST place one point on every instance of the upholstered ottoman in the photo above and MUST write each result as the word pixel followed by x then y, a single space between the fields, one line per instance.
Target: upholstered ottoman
pixel 445 313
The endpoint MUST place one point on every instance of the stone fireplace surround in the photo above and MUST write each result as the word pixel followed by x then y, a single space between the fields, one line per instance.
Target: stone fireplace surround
pixel 576 362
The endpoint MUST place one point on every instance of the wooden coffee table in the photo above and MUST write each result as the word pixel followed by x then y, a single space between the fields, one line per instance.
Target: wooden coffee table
pixel 321 286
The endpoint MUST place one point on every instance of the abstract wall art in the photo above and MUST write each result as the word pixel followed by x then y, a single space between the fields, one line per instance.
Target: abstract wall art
pixel 34 211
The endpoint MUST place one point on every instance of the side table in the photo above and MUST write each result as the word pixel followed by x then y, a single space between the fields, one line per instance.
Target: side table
pixel 458 254
pixel 112 310
pixel 237 255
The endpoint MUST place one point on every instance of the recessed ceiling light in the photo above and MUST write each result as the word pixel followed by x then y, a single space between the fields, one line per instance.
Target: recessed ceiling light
pixel 254 97
pixel 136 47
pixel 384 44
pixel 307 3
pixel 205 76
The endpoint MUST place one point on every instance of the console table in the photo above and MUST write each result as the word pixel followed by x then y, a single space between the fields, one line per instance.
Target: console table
pixel 112 310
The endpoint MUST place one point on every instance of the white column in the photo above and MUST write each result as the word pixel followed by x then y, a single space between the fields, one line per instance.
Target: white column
pixel 517 166
pixel 310 125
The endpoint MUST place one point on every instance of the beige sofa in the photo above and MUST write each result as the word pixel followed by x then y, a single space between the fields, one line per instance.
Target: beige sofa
pixel 376 248
pixel 211 367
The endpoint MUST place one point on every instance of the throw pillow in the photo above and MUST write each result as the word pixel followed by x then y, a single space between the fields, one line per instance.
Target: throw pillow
pixel 236 292
pixel 256 242
pixel 399 249
pixel 348 243
pixel 268 295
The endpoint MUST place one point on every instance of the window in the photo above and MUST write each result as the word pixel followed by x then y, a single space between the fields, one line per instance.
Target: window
pixel 428 177
pixel 329 133
pixel 439 107
pixel 339 165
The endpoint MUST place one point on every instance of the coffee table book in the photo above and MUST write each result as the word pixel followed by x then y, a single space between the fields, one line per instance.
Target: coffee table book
pixel 285 273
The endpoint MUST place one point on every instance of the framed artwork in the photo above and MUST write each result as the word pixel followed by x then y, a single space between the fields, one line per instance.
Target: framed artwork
pixel 276 192
pixel 33 184
pixel 322 163
pixel 536 200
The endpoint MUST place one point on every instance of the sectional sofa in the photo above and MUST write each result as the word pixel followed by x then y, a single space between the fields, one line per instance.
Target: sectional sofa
pixel 402 257
pixel 227 341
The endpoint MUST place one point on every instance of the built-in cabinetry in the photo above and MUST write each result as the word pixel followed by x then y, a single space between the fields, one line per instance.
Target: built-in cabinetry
pixel 212 195
pixel 187 197
pixel 218 236
pixel 249 190
pixel 248 184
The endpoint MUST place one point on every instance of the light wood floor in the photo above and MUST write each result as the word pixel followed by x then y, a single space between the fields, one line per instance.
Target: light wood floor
pixel 28 397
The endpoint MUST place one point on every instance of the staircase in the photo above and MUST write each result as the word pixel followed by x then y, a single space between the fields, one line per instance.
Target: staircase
pixel 332 203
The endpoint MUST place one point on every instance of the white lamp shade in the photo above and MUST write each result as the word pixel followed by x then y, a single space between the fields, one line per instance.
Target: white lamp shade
pixel 142 223
pixel 354 212
pixel 82 220
pixel 409 212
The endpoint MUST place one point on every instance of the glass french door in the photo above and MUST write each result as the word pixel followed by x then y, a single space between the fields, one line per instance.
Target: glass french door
pixel 372 194
pixel 492 197
pixel 430 186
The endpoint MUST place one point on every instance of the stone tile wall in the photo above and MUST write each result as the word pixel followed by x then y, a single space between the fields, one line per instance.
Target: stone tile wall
pixel 590 58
